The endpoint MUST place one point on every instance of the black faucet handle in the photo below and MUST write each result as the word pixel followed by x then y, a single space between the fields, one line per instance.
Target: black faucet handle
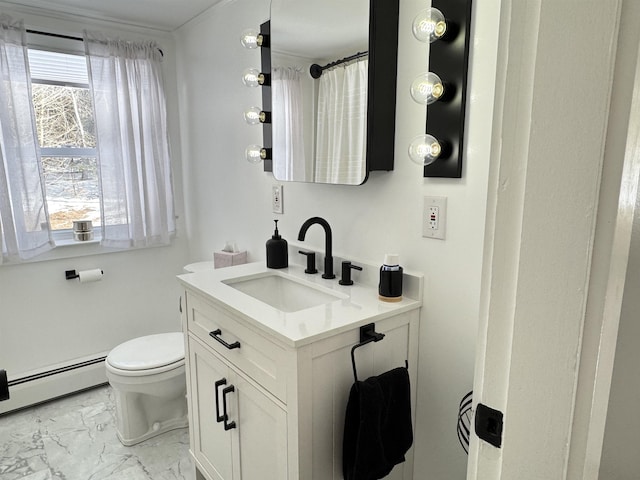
pixel 311 261
pixel 346 273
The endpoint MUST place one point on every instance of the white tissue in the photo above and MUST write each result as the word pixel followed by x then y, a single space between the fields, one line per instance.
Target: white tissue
pixel 230 247
pixel 86 276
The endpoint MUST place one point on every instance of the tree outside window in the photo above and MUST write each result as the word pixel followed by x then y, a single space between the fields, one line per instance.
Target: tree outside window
pixel 66 134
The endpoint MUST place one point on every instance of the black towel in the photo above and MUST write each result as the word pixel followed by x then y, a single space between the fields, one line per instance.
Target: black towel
pixel 377 426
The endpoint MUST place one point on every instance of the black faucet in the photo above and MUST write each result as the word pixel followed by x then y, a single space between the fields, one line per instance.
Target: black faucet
pixel 328 258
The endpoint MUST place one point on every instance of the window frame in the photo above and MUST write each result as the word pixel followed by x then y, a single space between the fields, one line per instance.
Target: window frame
pixel 64 237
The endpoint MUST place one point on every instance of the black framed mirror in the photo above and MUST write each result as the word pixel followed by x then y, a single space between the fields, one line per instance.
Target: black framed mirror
pixel 332 92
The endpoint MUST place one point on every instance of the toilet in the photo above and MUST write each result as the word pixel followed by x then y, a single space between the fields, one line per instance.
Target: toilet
pixel 147 375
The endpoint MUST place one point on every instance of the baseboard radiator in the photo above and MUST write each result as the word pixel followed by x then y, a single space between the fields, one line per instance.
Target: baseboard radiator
pixel 52 382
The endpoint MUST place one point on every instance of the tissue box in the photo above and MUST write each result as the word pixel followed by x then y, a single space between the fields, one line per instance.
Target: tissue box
pixel 227 259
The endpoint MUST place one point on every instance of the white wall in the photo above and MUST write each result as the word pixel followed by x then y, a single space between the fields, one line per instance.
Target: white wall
pixel 229 199
pixel 46 320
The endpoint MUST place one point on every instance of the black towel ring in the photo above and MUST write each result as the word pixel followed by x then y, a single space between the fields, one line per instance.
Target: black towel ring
pixel 368 334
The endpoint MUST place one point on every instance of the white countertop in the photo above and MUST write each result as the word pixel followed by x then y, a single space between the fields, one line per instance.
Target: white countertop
pixel 357 304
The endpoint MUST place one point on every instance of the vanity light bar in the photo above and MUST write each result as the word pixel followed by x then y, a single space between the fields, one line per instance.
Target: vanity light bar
pixel 446 98
pixel 265 59
pixel 251 77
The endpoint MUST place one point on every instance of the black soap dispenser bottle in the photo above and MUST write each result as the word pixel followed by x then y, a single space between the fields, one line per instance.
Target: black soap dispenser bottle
pixel 390 286
pixel 277 251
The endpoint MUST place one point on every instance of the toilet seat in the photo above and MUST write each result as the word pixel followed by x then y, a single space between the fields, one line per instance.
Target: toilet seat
pixel 147 355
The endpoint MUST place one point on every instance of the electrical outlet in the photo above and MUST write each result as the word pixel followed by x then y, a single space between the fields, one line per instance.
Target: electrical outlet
pixel 433 220
pixel 434 217
pixel 276 199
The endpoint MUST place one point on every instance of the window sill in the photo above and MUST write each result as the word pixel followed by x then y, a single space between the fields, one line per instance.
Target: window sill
pixel 68 242
pixel 68 248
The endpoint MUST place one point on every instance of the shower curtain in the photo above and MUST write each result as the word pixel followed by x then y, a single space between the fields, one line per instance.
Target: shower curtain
pixel 342 124
pixel 288 125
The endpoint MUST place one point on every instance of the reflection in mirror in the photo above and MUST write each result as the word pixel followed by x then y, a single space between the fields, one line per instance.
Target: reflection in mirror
pixel 320 124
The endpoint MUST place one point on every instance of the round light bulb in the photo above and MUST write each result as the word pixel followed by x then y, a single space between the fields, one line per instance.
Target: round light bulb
pixel 253 154
pixel 253 116
pixel 249 38
pixel 424 150
pixel 427 88
pixel 251 77
pixel 429 25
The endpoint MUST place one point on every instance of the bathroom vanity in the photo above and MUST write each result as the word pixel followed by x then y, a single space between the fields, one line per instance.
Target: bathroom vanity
pixel 269 366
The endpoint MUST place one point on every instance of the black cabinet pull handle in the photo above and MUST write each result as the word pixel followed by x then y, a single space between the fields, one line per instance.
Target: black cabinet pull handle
pixel 222 381
pixel 227 425
pixel 215 335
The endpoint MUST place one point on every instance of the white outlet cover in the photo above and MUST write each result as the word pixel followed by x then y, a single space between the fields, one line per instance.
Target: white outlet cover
pixel 434 217
pixel 277 202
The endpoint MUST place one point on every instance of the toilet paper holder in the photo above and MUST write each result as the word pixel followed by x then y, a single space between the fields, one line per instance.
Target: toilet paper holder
pixel 71 274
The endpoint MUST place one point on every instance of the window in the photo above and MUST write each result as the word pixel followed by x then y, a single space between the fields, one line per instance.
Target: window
pixel 66 134
pixel 75 149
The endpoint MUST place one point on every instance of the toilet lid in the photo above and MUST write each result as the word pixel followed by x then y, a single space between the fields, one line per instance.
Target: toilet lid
pixel 145 353
pixel 199 266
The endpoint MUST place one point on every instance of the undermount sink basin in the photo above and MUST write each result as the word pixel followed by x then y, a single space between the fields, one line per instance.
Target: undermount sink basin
pixel 281 292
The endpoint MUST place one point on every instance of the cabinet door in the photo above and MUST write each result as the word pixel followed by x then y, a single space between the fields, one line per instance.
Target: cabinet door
pixel 261 434
pixel 212 445
pixel 256 446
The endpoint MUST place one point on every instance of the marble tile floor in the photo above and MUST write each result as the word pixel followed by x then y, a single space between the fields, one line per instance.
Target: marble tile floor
pixel 74 438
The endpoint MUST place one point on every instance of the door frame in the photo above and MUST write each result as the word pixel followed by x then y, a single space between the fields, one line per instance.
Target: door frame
pixel 552 287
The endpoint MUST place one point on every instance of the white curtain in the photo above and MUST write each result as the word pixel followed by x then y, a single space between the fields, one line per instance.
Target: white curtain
pixel 133 149
pixel 342 124
pixel 289 161
pixel 24 221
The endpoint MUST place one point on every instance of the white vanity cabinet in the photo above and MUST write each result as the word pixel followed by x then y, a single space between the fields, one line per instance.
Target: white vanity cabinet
pixel 288 393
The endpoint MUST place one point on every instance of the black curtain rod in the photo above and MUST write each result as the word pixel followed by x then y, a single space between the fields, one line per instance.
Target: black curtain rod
pixel 316 70
pixel 57 35
pixel 68 37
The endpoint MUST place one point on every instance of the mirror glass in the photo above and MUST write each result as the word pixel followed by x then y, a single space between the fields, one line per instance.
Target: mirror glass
pixel 319 124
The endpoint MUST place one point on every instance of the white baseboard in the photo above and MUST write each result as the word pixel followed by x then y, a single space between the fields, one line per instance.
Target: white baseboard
pixel 55 381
